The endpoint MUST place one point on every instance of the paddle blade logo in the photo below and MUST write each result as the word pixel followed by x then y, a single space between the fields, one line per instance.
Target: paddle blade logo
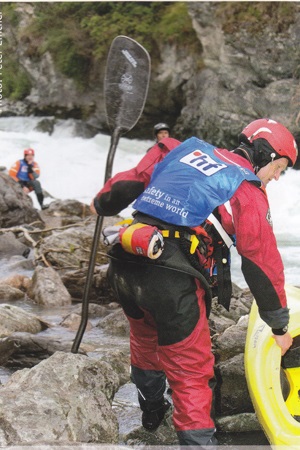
pixel 202 162
pixel 129 57
pixel 126 83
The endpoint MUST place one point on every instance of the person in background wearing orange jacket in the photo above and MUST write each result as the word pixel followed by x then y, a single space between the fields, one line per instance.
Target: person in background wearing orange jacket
pixel 25 172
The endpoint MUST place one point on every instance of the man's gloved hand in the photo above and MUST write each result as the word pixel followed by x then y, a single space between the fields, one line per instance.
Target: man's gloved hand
pixel 30 168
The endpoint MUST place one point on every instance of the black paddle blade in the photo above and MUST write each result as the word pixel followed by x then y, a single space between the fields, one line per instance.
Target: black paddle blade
pixel 126 83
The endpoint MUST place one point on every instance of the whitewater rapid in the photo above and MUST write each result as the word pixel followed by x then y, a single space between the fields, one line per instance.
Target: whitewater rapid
pixel 73 168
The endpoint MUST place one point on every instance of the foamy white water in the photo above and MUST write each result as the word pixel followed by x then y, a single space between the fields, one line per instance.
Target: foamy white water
pixel 73 168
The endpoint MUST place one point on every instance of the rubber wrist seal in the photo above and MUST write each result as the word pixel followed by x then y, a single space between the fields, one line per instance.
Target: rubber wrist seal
pixel 280 331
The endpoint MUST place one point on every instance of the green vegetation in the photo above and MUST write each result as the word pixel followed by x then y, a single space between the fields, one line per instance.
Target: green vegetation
pixel 15 80
pixel 16 83
pixel 9 13
pixel 255 16
pixel 78 34
pixel 175 25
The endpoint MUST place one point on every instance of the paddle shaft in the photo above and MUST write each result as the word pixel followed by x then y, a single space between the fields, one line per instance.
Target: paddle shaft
pixel 95 243
pixel 125 92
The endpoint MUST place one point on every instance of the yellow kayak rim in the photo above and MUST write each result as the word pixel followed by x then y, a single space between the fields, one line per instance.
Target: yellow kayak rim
pixel 263 373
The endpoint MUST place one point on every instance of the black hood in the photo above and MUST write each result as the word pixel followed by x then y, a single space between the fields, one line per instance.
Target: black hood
pixel 259 153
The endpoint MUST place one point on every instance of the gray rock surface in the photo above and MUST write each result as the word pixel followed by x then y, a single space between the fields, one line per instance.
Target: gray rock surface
pixel 16 208
pixel 13 318
pixel 40 398
pixel 48 289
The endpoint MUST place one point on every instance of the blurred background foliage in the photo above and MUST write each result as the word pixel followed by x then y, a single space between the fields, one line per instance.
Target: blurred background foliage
pixel 78 34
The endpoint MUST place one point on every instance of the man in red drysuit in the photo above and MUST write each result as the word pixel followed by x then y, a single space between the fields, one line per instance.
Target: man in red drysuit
pixel 166 300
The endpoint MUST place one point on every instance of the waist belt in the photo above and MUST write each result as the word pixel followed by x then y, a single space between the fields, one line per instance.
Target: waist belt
pixel 175 234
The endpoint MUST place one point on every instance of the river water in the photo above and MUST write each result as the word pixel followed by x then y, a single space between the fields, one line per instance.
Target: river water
pixel 73 168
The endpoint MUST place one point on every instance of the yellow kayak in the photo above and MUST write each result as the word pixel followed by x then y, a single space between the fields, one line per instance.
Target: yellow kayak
pixel 274 390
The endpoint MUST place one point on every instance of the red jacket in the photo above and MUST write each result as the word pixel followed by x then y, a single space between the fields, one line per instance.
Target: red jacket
pixel 123 188
pixel 246 215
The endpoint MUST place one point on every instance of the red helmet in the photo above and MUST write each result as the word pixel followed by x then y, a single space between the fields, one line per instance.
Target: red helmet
pixel 29 151
pixel 277 136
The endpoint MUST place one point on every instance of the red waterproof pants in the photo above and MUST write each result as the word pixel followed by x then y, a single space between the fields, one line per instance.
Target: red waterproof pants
pixel 188 366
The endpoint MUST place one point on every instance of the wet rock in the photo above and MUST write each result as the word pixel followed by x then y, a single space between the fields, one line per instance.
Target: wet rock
pixel 12 108
pixel 72 322
pixel 232 341
pixel 218 324
pixel 95 311
pixel 119 361
pixel 69 208
pixel 10 293
pixel 66 398
pixel 17 281
pixel 84 129
pixel 30 349
pixel 15 319
pixel 70 220
pixel 232 392
pixel 100 290
pixel 239 423
pixel 220 320
pixel 7 348
pixel 15 207
pixel 69 248
pixel 115 323
pixel 46 125
pixel 113 305
pixel 10 245
pixel 47 288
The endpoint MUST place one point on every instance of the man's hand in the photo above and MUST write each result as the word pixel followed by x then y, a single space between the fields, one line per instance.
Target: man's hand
pixel 25 190
pixel 30 168
pixel 284 342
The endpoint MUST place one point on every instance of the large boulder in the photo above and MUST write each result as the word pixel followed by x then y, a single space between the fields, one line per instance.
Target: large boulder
pixel 100 290
pixel 66 398
pixel 116 323
pixel 68 248
pixel 16 208
pixel 48 289
pixel 8 292
pixel 10 245
pixel 232 394
pixel 13 318
pixel 67 208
